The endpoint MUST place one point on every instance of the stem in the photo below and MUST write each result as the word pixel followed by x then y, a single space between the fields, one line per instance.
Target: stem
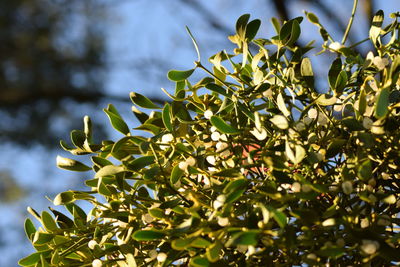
pixel 165 177
pixel 353 12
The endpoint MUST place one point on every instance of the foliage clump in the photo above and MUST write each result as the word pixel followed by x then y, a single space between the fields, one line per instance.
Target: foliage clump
pixel 250 166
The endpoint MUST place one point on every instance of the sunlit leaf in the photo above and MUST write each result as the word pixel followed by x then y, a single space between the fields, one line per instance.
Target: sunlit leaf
pixel 109 170
pixel 326 100
pixel 375 30
pixel 280 122
pixel 281 105
pixel 64 198
pixel 71 165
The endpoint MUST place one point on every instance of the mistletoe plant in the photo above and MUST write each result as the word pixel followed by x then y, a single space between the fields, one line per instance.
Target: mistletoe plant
pixel 252 165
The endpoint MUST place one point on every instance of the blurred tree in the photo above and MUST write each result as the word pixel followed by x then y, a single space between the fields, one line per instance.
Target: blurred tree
pixel 50 51
pixel 52 55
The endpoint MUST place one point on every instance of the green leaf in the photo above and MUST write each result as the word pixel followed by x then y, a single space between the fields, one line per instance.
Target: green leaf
pixel 148 235
pixel 101 162
pixel 176 174
pixel 103 189
pixel 29 228
pixel 312 18
pixel 362 102
pixel 228 173
pixel 142 101
pixel 335 147
pixel 48 222
pixel 200 242
pixel 116 120
pixel 157 213
pixel 279 217
pixel 246 238
pixel 334 71
pixel 109 170
pixel 167 118
pixel 235 185
pixel 64 198
pixel 179 75
pixel 352 124
pixel 41 238
pixel 364 171
pixel 199 261
pixel 222 126
pixel 214 251
pixel 280 122
pixel 71 165
pixel 44 261
pixel 290 32
pixel 141 116
pixel 234 195
pixel 180 111
pixel 33 259
pixel 341 82
pixel 139 163
pixel 78 138
pixel 382 103
pixel 182 243
pixel 241 25
pixel 62 220
pixel 252 29
pixel 276 24
pixel 218 89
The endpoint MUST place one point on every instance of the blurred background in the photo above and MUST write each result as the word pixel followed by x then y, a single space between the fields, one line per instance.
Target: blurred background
pixel 63 59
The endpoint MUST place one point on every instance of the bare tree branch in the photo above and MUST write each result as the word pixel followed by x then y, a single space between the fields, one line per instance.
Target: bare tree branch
pixel 369 10
pixel 281 8
pixel 210 18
